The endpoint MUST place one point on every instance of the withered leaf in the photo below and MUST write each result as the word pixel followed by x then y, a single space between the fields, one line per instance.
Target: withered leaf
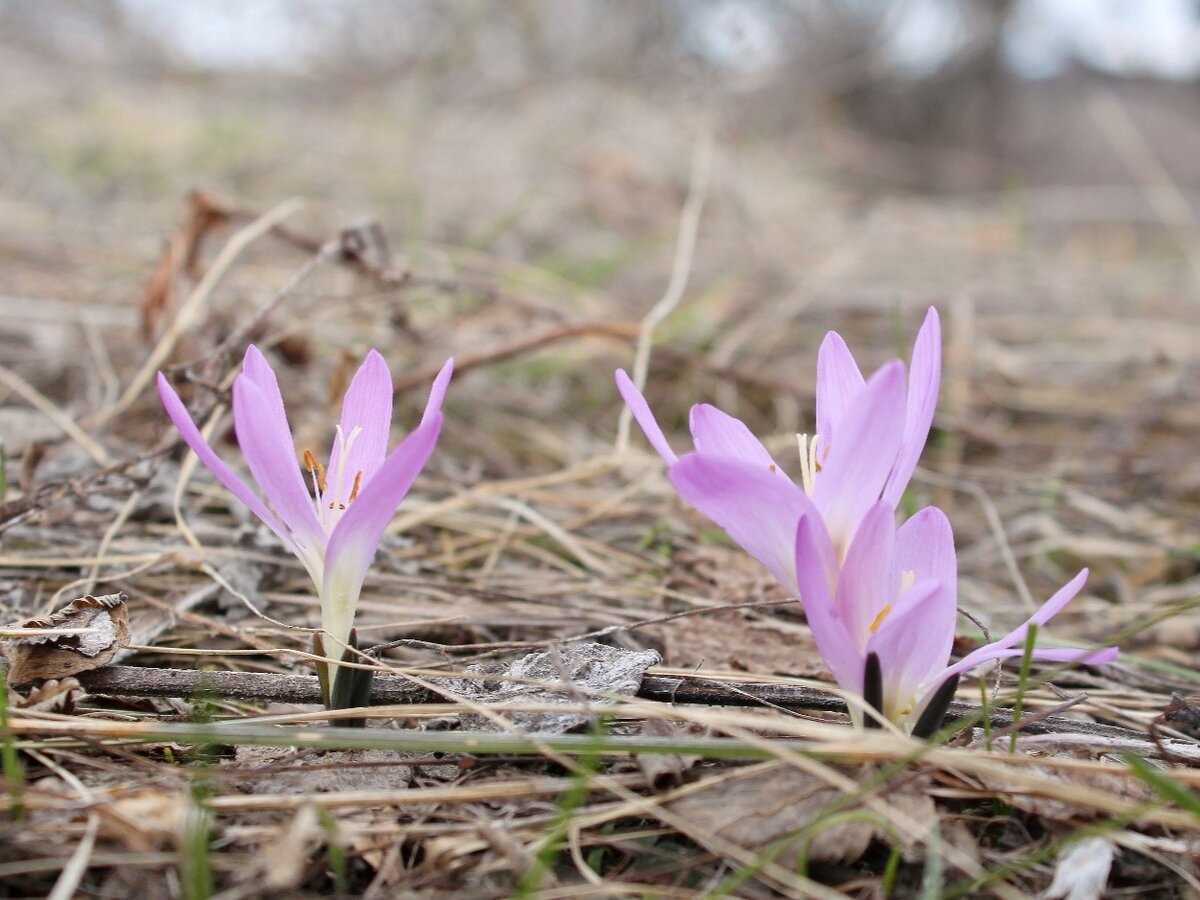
pixel 145 819
pixel 102 628
pixel 566 673
pixel 760 807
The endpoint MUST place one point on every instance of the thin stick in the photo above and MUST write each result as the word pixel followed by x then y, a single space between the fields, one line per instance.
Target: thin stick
pixel 685 249
pixel 196 300
pixel 137 681
pixel 51 411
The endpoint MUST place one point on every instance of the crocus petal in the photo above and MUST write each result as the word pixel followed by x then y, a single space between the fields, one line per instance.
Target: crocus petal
pixel 862 455
pixel 835 644
pixel 357 535
pixel 718 434
pixel 756 507
pixel 256 368
pixel 973 660
pixel 839 382
pixel 226 476
pixel 867 582
pixel 437 393
pixel 910 646
pixel 1049 609
pixel 925 547
pixel 366 423
pixel 645 418
pixel 924 381
pixel 271 456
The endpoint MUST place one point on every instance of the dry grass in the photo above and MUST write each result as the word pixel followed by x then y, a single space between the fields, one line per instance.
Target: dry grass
pixel 1067 436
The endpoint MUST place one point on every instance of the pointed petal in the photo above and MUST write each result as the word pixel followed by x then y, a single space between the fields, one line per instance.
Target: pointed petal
pixel 924 382
pixel 861 455
pixel 226 476
pixel 354 541
pixel 839 382
pixel 910 645
pixel 645 418
pixel 256 368
pixel 367 416
pixel 758 508
pixel 834 643
pixel 718 434
pixel 437 393
pixel 867 582
pixel 1004 647
pixel 925 547
pixel 271 457
pixel 1097 657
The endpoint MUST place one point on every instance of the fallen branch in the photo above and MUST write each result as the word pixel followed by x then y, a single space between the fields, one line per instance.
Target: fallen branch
pixel 139 681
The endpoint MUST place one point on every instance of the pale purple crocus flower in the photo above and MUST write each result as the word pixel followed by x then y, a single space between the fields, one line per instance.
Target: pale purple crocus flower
pixel 895 598
pixel 336 529
pixel 870 433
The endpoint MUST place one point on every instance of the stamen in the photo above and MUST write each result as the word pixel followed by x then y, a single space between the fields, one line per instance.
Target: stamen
pixel 879 617
pixel 316 470
pixel 356 487
pixel 344 442
pixel 907 579
pixel 807 462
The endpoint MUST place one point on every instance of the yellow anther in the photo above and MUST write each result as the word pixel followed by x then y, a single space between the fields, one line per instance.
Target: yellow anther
pixel 356 487
pixel 879 617
pixel 316 470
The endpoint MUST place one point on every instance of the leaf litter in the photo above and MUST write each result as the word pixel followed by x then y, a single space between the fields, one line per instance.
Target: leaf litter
pixel 1064 416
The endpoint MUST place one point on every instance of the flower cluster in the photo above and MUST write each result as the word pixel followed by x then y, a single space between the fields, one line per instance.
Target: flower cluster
pixel 881 600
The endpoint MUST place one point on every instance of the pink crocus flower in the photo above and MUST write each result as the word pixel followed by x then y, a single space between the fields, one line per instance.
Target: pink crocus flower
pixel 336 529
pixel 869 436
pixel 884 621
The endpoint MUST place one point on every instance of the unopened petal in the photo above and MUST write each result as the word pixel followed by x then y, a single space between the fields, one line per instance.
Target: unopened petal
pixel 924 382
pixel 644 417
pixel 862 454
pixel 757 508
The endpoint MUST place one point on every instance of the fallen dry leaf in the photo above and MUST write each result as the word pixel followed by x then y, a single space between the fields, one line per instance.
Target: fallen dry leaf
pixel 755 808
pixel 575 670
pixel 146 819
pixel 103 630
pixel 283 861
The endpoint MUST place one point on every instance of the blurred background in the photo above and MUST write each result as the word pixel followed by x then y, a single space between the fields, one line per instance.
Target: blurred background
pixel 1031 167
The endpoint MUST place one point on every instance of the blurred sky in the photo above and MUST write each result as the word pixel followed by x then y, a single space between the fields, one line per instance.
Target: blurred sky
pixel 1158 38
